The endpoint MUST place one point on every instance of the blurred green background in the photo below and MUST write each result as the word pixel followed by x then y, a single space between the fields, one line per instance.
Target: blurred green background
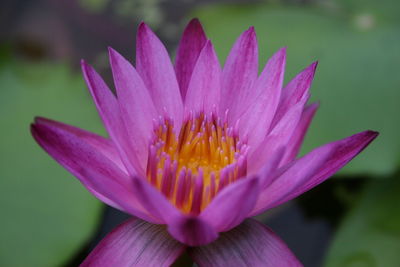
pixel 48 218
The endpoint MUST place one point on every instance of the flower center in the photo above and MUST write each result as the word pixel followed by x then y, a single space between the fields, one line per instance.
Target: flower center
pixel 192 167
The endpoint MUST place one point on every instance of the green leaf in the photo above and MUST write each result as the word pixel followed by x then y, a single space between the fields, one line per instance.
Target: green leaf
pixel 357 79
pixel 47 215
pixel 370 234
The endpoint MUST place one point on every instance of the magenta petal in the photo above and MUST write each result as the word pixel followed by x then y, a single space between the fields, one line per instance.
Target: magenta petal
pixel 192 231
pixel 295 142
pixel 295 91
pixel 256 120
pixel 268 172
pixel 312 169
pixel 96 172
pixel 155 67
pixel 108 108
pixel 135 103
pixel 239 74
pixel 135 243
pixel 249 244
pixel 276 139
pixel 101 144
pixel 232 205
pixel 190 46
pixel 204 88
pixel 342 152
pixel 154 201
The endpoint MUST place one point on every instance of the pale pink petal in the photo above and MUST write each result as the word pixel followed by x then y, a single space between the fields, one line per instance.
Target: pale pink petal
pixel 312 169
pixel 192 231
pixel 277 138
pixel 135 243
pixel 190 46
pixel 255 121
pixel 108 109
pixel 135 103
pixel 101 144
pixel 249 244
pixel 239 74
pixel 204 88
pixel 155 67
pixel 232 205
pixel 295 91
pixel 97 173
pixel 295 142
pixel 154 201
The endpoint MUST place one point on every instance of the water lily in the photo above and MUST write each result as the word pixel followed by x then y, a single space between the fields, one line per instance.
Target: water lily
pixel 194 150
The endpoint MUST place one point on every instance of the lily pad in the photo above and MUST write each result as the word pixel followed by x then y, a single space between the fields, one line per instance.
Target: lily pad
pixel 47 215
pixel 370 234
pixel 357 79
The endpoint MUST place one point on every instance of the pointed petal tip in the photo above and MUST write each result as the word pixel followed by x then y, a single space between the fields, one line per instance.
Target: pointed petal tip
pixel 373 134
pixel 194 22
pixel 113 54
pixel 143 28
pixel 251 30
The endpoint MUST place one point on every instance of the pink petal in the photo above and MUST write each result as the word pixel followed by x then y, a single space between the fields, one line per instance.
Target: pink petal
pixel 312 169
pixel 256 120
pixel 232 205
pixel 190 46
pixel 204 88
pixel 154 201
pixel 96 172
pixel 101 144
pixel 239 73
pixel 136 104
pixel 276 139
pixel 295 91
pixel 267 173
pixel 108 109
pixel 295 142
pixel 249 244
pixel 135 243
pixel 192 231
pixel 155 67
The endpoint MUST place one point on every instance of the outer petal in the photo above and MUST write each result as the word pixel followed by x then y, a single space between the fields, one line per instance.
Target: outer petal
pixel 108 108
pixel 192 231
pixel 135 243
pixel 239 74
pixel 312 169
pixel 256 120
pixel 155 67
pixel 204 88
pixel 232 205
pixel 295 142
pixel 154 201
pixel 101 144
pixel 190 46
pixel 136 104
pixel 295 91
pixel 249 244
pixel 96 172
pixel 189 230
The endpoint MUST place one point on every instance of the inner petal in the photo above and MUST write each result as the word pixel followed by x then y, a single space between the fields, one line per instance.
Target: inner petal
pixel 191 167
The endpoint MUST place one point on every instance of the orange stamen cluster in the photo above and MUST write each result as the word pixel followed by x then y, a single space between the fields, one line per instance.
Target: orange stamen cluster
pixel 192 167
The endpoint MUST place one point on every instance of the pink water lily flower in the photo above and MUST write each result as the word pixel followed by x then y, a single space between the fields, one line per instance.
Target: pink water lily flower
pixel 194 149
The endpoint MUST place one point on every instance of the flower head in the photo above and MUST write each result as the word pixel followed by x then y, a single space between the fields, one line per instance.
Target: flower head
pixel 197 148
